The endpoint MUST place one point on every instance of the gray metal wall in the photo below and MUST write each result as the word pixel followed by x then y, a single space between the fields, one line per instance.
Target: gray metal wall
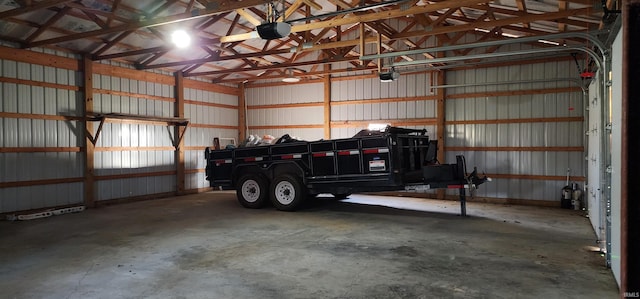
pixel 504 129
pixel 23 167
pixel 41 163
pixel 413 91
pixel 519 129
pixel 129 149
pixel 288 119
pixel 206 123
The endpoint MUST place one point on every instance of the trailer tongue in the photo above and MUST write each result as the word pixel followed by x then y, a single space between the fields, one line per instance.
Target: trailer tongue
pixel 287 173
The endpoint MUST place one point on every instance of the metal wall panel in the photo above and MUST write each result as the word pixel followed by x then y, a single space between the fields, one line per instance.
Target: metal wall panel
pixel 285 94
pixel 286 116
pixel 25 132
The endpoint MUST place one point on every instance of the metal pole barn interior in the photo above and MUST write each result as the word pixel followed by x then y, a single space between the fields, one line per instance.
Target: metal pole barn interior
pixel 99 107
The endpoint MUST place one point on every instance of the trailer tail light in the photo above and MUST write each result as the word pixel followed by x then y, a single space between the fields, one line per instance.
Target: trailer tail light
pixel 253 159
pixel 219 162
pixel 375 151
pixel 348 153
pixel 294 156
pixel 325 154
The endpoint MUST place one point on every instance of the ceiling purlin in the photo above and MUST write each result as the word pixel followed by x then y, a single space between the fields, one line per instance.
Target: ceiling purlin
pixel 277 66
pixel 123 35
pixel 111 43
pixel 387 14
pixel 31 8
pixel 567 21
pixel 190 6
pixel 95 19
pixel 526 31
pixel 154 57
pixel 493 33
pixel 224 5
pixel 44 27
pixel 501 22
pixel 114 7
pixel 80 7
pixel 247 16
pixel 523 7
pixel 199 27
pixel 212 53
pixel 562 5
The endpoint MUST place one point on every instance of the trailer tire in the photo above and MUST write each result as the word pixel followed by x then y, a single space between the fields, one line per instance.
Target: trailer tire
pixel 252 191
pixel 340 196
pixel 287 192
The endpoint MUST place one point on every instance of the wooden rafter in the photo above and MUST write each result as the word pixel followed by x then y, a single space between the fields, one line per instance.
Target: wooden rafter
pixel 223 6
pixel 48 24
pixel 31 8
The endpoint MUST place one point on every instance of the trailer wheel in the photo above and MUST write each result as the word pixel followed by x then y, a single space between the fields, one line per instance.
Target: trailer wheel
pixel 252 191
pixel 340 196
pixel 287 192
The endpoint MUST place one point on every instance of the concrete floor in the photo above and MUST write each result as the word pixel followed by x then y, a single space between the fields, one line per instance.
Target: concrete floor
pixel 207 246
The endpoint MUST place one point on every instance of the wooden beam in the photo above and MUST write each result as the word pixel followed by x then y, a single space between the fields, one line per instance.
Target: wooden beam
pixel 242 113
pixel 248 17
pixel 497 23
pixel 89 152
pixel 365 18
pixel 40 182
pixel 439 79
pixel 327 103
pixel 179 131
pixel 27 9
pixel 48 24
pixel 276 66
pixel 220 6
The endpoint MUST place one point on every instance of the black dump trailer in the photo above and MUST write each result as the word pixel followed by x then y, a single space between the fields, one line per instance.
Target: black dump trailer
pixel 288 172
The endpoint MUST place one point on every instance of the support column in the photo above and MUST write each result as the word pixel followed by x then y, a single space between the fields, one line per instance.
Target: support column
pixel 178 131
pixel 440 120
pixel 89 147
pixel 327 104
pixel 242 114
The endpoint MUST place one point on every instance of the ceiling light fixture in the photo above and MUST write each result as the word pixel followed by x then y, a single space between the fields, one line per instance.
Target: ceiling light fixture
pixel 290 77
pixel 181 39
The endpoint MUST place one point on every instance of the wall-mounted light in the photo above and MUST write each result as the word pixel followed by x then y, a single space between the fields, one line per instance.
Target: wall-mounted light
pixel 181 39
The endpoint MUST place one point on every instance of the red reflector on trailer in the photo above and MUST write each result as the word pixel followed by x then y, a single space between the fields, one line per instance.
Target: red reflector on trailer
pixel 326 154
pixel 455 186
pixel 252 159
pixel 347 153
pixel 375 151
pixel 296 156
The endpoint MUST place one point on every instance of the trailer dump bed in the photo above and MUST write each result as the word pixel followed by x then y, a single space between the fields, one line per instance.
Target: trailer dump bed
pixel 287 173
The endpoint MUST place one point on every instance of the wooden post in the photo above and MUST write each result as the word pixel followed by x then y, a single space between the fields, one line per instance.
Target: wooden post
pixel 242 116
pixel 440 113
pixel 178 131
pixel 327 103
pixel 89 150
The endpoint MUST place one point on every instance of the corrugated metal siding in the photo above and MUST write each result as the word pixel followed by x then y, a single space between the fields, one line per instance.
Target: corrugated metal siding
pixel 515 133
pixel 288 119
pixel 407 86
pixel 23 132
pixel 200 137
pixel 119 162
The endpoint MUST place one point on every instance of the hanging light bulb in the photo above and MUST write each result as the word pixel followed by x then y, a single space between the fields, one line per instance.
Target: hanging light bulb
pixel 181 39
